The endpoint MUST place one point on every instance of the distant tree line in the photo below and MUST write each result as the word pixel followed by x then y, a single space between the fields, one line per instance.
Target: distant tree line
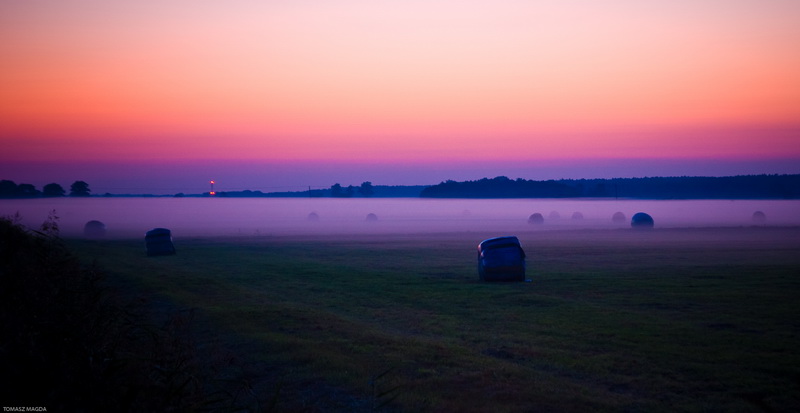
pixel 499 187
pixel 9 189
pixel 335 191
pixel 685 187
pixel 365 190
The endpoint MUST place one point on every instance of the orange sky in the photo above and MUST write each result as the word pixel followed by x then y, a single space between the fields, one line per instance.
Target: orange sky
pixel 410 81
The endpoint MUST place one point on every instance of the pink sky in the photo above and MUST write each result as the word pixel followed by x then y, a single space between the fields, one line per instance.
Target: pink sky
pixel 404 92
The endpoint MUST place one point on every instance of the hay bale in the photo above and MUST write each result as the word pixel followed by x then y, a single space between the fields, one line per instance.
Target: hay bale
pixel 536 219
pixel 641 220
pixel 94 229
pixel 501 259
pixel 159 242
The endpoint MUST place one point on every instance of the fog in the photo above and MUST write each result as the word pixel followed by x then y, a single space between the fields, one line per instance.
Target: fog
pixel 200 217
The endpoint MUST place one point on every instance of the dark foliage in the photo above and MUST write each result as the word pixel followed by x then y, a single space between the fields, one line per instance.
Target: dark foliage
pixel 686 187
pixel 366 189
pixel 338 192
pixel 235 194
pixel 53 190
pixel 500 187
pixel 68 344
pixel 9 189
pixel 79 188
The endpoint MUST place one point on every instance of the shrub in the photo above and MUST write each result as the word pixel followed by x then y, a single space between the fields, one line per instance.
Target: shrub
pixel 68 343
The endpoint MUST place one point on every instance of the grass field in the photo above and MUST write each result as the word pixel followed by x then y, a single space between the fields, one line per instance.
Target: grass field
pixel 695 319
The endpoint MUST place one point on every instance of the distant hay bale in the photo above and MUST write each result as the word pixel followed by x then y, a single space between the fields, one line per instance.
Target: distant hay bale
pixel 577 216
pixel 159 242
pixel 554 215
pixel 759 217
pixel 536 219
pixel 94 229
pixel 313 217
pixel 618 218
pixel 640 220
pixel 371 217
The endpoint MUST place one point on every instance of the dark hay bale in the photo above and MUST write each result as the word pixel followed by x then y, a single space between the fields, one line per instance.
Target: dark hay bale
pixel 640 220
pixel 536 219
pixel 94 229
pixel 159 242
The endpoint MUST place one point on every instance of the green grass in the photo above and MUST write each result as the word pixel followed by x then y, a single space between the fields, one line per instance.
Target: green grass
pixel 615 320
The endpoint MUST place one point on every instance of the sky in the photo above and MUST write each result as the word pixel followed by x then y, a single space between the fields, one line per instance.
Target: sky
pixel 161 97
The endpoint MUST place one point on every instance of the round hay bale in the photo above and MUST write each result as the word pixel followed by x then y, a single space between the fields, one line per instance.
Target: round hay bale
pixel 371 217
pixel 94 229
pixel 618 218
pixel 759 217
pixel 313 217
pixel 536 219
pixel 159 242
pixel 577 216
pixel 640 220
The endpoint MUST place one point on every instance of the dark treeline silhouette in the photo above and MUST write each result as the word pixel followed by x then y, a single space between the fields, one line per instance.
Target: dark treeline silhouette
pixel 365 190
pixel 685 187
pixel 9 189
pixel 500 187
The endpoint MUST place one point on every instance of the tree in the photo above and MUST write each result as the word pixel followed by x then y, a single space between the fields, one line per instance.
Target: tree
pixel 366 189
pixel 27 191
pixel 53 190
pixel 8 189
pixel 79 188
pixel 336 190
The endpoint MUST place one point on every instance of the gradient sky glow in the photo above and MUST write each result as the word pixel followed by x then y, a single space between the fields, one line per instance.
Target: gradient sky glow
pixel 410 92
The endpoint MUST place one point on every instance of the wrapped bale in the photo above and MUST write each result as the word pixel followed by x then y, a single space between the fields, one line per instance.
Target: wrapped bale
pixel 159 242
pixel 501 259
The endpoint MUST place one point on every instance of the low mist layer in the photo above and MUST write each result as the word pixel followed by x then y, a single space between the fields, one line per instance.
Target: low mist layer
pixel 132 217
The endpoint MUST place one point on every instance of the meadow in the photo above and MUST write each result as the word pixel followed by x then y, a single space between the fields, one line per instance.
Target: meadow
pixel 674 319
